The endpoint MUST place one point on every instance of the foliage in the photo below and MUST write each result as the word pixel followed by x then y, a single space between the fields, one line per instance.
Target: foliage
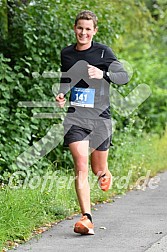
pixel 32 36
pixel 33 207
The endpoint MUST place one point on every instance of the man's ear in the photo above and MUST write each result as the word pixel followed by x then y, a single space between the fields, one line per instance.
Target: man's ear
pixel 74 28
pixel 96 30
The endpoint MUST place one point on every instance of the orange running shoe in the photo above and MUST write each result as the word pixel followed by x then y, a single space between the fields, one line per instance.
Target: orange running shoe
pixel 105 181
pixel 84 226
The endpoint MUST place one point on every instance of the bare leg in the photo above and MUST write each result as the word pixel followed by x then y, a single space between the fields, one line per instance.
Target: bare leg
pixel 99 162
pixel 80 153
pixel 100 168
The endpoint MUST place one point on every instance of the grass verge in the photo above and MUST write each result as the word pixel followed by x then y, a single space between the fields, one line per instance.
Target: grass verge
pixel 23 211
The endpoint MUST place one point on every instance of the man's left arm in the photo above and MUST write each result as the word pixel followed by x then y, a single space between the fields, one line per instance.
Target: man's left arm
pixel 116 72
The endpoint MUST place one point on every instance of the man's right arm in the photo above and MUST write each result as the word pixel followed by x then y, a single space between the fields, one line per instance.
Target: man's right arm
pixel 64 80
pixel 64 85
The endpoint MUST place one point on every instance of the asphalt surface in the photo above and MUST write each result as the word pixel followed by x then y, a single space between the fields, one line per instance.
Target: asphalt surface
pixel 135 222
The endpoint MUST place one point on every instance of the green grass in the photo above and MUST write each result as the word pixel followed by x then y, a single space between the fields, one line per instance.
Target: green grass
pixel 24 210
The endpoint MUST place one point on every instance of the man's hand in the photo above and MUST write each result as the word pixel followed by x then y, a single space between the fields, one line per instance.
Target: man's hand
pixel 94 72
pixel 60 100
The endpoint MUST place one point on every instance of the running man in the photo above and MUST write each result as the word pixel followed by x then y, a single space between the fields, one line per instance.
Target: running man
pixel 92 67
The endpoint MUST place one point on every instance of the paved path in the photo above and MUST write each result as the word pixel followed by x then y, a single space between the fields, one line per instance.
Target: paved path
pixel 135 222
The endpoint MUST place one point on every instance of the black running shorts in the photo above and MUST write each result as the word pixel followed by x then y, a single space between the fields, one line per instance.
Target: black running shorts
pixel 97 132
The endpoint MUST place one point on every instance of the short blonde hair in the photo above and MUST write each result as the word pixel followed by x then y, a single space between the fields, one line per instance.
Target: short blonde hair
pixel 87 15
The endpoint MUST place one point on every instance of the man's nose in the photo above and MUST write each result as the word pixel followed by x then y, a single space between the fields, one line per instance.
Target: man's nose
pixel 84 31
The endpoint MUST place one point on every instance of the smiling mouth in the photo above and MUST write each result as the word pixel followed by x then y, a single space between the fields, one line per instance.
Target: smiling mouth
pixel 82 38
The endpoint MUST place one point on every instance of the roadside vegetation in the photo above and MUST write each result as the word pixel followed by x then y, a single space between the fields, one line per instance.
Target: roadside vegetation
pixel 38 190
pixel 32 210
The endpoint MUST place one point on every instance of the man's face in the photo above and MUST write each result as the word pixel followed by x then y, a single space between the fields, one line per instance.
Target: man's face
pixel 84 31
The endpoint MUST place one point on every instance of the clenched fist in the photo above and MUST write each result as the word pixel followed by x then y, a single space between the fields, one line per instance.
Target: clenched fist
pixel 94 72
pixel 60 99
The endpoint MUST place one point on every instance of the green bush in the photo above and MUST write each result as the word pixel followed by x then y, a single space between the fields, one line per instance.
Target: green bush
pixel 33 35
pixel 36 34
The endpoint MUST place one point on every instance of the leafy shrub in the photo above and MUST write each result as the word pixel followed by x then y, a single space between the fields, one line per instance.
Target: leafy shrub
pixel 33 35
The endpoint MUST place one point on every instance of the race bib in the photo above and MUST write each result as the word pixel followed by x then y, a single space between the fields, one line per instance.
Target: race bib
pixel 83 97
